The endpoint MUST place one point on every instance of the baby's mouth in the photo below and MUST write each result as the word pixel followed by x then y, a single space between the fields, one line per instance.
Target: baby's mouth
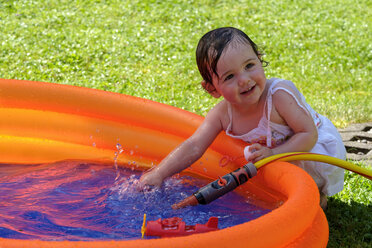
pixel 248 90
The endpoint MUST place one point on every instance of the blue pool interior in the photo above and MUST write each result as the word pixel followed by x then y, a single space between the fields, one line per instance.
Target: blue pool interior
pixel 73 200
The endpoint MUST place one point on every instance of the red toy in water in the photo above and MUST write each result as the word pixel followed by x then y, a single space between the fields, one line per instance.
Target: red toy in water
pixel 172 227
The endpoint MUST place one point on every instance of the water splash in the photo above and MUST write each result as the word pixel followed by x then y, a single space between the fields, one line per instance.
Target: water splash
pixel 119 149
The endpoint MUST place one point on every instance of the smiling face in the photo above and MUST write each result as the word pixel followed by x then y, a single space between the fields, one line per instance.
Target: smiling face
pixel 241 79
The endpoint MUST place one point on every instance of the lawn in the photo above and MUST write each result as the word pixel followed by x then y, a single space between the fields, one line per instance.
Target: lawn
pixel 147 49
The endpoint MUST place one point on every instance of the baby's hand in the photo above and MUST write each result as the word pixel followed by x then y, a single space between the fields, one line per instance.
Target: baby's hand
pixel 150 178
pixel 258 152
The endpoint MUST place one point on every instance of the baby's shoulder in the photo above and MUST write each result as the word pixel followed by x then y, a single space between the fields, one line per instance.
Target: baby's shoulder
pixel 283 83
pixel 220 113
pixel 284 88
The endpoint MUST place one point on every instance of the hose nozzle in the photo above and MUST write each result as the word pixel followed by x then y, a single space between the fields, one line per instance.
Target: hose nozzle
pixel 189 201
pixel 216 189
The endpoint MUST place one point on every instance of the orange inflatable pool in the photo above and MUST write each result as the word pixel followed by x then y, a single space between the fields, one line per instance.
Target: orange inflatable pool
pixel 45 122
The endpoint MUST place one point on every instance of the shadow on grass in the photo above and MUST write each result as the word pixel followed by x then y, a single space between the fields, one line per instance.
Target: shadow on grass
pixel 350 224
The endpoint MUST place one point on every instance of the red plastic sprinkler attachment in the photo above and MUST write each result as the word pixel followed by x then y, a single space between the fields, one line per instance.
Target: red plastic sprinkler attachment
pixel 218 188
pixel 174 226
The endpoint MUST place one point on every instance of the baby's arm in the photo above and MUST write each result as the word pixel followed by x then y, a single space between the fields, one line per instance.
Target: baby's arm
pixel 298 119
pixel 186 153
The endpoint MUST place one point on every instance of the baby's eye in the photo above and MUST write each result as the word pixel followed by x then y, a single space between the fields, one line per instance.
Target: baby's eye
pixel 230 76
pixel 249 65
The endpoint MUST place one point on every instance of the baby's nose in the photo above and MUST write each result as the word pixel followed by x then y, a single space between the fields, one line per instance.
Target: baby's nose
pixel 244 79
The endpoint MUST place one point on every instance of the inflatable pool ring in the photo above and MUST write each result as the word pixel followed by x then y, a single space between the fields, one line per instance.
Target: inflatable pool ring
pixel 46 122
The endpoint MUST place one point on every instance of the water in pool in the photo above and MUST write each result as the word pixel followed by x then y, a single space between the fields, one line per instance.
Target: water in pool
pixel 85 201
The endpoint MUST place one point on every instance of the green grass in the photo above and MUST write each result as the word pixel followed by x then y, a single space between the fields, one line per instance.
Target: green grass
pixel 349 213
pixel 147 49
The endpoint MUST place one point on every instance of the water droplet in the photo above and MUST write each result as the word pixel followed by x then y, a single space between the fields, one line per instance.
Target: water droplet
pixel 117 153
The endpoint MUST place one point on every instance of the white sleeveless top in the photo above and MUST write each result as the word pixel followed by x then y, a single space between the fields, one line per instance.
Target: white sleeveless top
pixel 329 178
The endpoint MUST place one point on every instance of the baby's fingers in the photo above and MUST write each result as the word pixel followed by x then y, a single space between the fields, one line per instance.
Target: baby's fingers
pixel 250 150
pixel 254 147
pixel 262 153
pixel 257 156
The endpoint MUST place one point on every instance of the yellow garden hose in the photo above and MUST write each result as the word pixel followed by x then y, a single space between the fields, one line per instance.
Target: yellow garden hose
pixel 230 181
pixel 316 157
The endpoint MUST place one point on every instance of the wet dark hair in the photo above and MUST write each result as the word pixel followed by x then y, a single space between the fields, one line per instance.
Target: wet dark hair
pixel 213 43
